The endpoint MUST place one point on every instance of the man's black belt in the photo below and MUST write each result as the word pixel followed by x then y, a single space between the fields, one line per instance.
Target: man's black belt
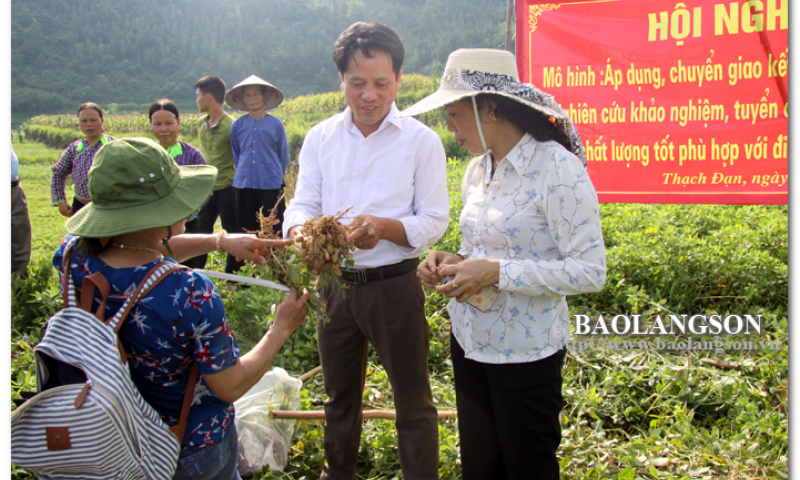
pixel 15 182
pixel 357 276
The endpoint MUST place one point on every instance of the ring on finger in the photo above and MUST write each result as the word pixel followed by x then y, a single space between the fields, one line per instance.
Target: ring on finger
pixel 455 286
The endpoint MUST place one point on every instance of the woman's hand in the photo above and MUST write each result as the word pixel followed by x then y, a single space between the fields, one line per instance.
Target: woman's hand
pixel 249 247
pixel 469 277
pixel 291 313
pixel 428 269
pixel 233 382
pixel 64 209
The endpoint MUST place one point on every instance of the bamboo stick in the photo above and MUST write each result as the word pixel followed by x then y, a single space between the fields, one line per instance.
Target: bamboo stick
pixel 714 363
pixel 310 373
pixel 370 414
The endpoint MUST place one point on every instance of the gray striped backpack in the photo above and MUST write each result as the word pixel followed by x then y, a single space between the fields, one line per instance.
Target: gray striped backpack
pixel 88 419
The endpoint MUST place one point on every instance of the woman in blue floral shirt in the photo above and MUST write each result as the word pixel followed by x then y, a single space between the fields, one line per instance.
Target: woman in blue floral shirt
pixel 140 199
pixel 531 236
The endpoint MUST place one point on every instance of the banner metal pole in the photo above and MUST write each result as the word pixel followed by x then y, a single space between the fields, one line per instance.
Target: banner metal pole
pixel 509 25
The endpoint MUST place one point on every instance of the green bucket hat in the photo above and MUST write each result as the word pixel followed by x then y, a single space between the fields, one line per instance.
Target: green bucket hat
pixel 134 185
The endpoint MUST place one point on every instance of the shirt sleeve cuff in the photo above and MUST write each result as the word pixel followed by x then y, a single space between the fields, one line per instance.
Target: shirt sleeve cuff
pixel 413 233
pixel 514 278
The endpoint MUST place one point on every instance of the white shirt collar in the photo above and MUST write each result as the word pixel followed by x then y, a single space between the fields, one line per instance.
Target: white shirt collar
pixel 391 118
pixel 515 156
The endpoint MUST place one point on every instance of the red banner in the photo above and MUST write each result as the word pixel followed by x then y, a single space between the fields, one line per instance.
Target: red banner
pixel 675 102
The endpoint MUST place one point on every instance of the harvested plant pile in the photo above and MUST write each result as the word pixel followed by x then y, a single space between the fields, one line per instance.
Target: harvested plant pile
pixel 324 241
pixel 325 244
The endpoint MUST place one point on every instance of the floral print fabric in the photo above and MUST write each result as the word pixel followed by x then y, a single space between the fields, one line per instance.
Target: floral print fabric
pixel 180 320
pixel 539 215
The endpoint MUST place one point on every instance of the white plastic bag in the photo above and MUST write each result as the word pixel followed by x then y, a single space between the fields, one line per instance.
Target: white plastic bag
pixel 263 440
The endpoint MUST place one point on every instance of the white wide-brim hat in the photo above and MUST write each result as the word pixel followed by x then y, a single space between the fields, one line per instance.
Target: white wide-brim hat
pixel 471 71
pixel 235 96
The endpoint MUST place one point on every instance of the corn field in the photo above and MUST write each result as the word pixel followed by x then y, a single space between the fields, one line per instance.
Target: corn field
pixel 295 110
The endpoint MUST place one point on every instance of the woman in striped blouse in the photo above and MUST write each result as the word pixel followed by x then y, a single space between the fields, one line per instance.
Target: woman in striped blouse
pixel 77 160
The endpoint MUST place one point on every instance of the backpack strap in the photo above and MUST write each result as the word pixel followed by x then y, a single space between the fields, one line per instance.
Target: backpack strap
pixel 153 277
pixel 90 283
pixel 98 281
pixel 67 285
pixel 180 428
pixel 159 272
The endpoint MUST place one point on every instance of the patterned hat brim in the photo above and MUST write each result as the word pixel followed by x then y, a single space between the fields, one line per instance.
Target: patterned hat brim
pixel 445 96
pixel 459 83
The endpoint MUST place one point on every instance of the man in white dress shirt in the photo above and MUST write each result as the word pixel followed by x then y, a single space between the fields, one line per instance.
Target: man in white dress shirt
pixel 392 172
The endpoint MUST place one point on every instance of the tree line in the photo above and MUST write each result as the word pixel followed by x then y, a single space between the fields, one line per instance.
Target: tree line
pixel 131 52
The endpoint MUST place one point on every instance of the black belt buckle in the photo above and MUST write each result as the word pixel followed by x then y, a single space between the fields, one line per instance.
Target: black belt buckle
pixel 354 276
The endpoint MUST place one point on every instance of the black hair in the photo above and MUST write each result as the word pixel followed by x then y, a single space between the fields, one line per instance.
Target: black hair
pixel 368 37
pixel 93 106
pixel 164 104
pixel 212 84
pixel 91 246
pixel 526 118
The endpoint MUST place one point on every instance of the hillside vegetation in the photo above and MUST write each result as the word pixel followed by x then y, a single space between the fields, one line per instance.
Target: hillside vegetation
pixel 133 52
pixel 635 410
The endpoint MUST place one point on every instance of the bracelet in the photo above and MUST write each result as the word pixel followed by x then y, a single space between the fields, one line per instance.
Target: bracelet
pixel 221 234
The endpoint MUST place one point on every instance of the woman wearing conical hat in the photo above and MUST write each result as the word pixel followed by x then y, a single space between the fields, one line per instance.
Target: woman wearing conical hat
pixel 260 151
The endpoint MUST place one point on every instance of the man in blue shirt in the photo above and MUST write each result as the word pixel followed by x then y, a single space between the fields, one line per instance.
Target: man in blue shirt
pixel 260 152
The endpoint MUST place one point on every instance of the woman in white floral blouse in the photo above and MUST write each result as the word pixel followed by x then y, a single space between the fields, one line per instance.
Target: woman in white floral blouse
pixel 531 236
